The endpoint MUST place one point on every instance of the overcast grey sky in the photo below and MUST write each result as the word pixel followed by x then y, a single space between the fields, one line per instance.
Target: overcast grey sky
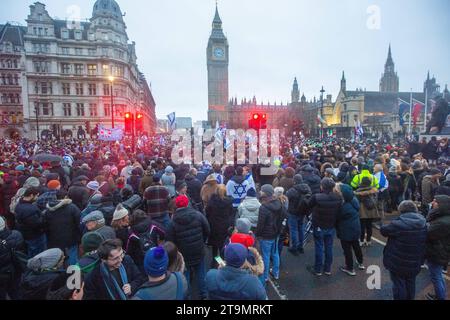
pixel 271 42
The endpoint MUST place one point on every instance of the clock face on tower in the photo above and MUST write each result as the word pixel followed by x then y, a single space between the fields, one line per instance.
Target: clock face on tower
pixel 219 52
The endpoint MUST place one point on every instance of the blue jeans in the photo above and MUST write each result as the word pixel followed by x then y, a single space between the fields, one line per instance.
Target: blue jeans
pixel 200 275
pixel 296 232
pixel 403 288
pixel 269 249
pixel 438 280
pixel 36 246
pixel 323 242
pixel 72 253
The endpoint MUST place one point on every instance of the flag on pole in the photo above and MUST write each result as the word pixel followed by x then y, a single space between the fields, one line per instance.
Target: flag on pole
pixel 172 120
pixel 403 106
pixel 320 119
pixel 417 111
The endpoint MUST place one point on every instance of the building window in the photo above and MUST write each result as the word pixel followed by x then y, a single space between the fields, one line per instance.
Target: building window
pixel 65 50
pixel 35 31
pixel 66 89
pixel 16 80
pixel 80 109
pixel 92 69
pixel 78 51
pixel 93 110
pixel 119 71
pixel 77 35
pixel 105 36
pixel 79 89
pixel 41 66
pixel 67 108
pixel 105 52
pixel 91 36
pixel 65 34
pixel 10 79
pixel 79 68
pixel 44 88
pixel 106 89
pixel 107 109
pixel 92 89
pixel 106 70
pixel 47 109
pixel 92 52
pixel 65 68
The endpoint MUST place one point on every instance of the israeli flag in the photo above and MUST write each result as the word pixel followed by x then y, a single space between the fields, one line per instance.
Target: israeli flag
pixel 172 120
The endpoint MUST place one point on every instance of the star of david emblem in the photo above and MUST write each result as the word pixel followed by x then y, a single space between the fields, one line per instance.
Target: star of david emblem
pixel 240 190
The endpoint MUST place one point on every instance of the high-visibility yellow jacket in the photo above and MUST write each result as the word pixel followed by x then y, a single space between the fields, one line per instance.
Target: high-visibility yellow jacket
pixel 356 182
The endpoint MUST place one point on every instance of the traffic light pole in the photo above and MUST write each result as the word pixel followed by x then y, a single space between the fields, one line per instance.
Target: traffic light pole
pixel 133 149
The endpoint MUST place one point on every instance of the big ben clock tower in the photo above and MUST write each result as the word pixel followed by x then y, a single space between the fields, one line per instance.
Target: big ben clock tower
pixel 217 61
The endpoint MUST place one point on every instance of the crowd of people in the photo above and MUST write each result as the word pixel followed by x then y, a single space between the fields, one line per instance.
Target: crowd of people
pixel 138 226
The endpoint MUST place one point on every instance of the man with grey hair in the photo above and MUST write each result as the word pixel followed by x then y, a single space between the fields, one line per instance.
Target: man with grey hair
pixel 405 249
pixel 95 221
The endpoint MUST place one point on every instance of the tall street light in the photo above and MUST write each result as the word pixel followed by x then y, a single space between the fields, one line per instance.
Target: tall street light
pixel 111 79
pixel 36 111
pixel 322 91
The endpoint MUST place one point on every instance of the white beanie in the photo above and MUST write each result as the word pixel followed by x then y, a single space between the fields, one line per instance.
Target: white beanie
pixel 120 213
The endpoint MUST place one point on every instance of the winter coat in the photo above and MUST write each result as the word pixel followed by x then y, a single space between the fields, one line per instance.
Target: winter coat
pixel 219 213
pixel 35 285
pixel 134 181
pixel 366 195
pixel 95 288
pixel 63 178
pixel 357 180
pixel 209 188
pixel 254 263
pixel 62 221
pixel 249 208
pixel 270 219
pixel 194 186
pixel 230 283
pixel 88 262
pixel 29 220
pixel 313 181
pixel 438 237
pixel 405 248
pixel 146 181
pixel 165 289
pixel 428 189
pixel 107 208
pixel 325 208
pixel 13 242
pixel 79 194
pixel 178 265
pixel 189 230
pixel 237 188
pixel 157 201
pixel 348 226
pixel 299 197
pixel 444 189
pixel 286 183
pixel 168 181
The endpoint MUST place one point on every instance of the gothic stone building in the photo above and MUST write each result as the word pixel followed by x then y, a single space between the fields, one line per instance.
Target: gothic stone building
pixel 67 70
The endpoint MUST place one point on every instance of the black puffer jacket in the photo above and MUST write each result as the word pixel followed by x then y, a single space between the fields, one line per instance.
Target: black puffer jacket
pixel 62 221
pixel 270 220
pixel 326 207
pixel 79 194
pixel 29 220
pixel 405 249
pixel 313 181
pixel 107 208
pixel 219 213
pixel 35 285
pixel 299 197
pixel 438 236
pixel 194 186
pixel 189 230
pixel 13 241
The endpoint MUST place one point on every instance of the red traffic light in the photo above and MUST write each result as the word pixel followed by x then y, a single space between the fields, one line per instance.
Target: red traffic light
pixel 256 116
pixel 127 115
pixel 139 116
pixel 264 116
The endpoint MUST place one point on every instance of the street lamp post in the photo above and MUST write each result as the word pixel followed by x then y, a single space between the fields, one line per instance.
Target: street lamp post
pixel 111 79
pixel 36 111
pixel 322 91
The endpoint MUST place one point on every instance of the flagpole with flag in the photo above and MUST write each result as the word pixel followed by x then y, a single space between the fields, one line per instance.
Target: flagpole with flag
pixel 410 113
pixel 172 120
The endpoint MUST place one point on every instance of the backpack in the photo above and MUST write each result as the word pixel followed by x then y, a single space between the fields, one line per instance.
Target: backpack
pixel 369 202
pixel 147 240
pixel 144 295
